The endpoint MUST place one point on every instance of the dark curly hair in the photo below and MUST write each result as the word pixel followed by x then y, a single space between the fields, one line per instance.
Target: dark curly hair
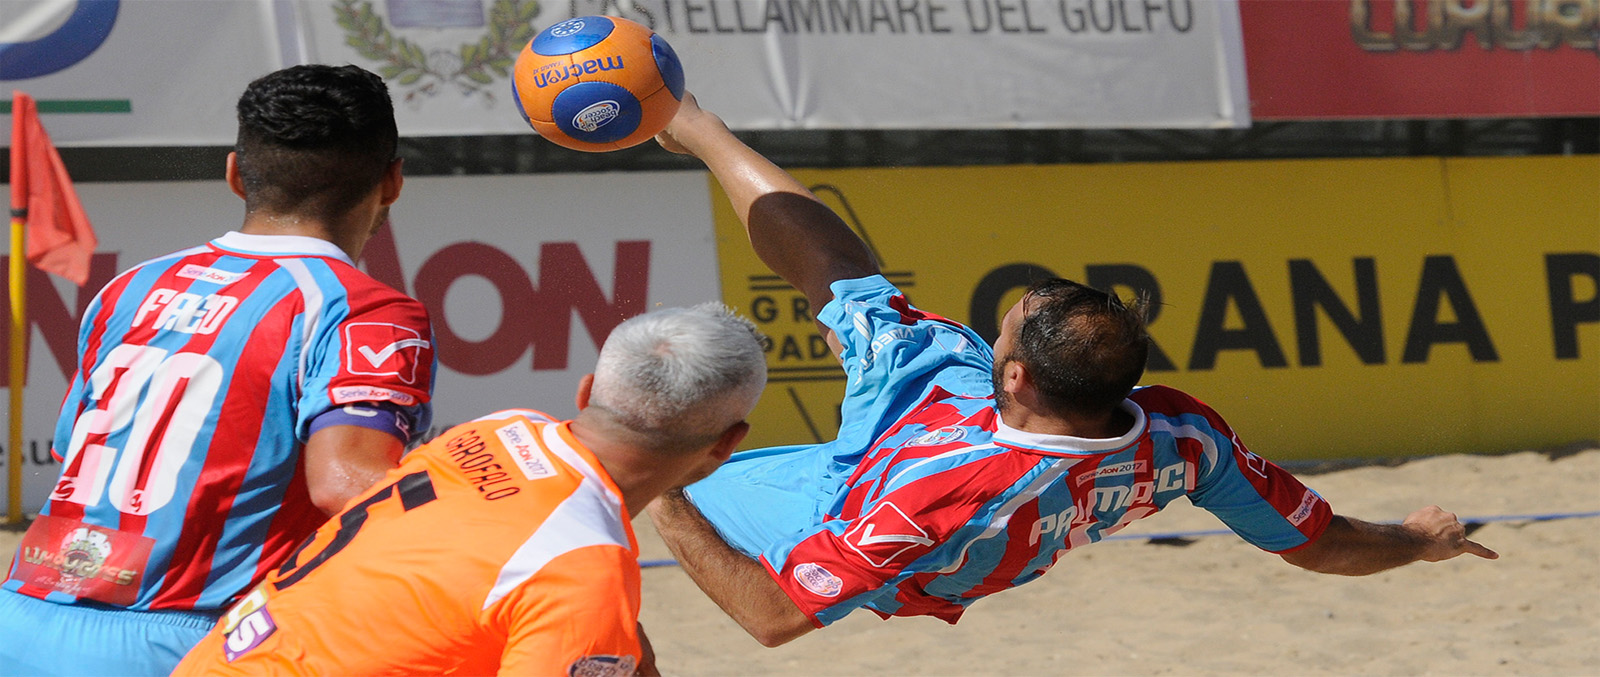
pixel 1084 348
pixel 314 140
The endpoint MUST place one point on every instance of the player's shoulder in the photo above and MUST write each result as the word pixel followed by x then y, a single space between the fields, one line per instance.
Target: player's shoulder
pixel 356 281
pixel 160 264
pixel 1177 408
pixel 367 297
pixel 1167 400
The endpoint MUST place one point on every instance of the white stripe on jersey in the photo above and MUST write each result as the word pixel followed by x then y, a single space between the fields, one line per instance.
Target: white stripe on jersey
pixel 890 485
pixel 1188 431
pixel 312 293
pixel 591 515
pixel 1002 517
pixel 551 436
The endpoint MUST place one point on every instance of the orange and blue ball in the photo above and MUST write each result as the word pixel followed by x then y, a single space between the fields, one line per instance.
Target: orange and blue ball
pixel 597 83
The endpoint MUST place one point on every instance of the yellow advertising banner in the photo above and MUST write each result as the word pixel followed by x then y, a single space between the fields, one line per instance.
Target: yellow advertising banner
pixel 1327 308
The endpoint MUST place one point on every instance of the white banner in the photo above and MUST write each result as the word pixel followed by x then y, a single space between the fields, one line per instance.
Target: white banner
pixel 168 71
pixel 523 278
pixel 135 72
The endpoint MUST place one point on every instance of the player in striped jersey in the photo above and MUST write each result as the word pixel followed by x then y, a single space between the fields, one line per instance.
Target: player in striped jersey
pixel 958 470
pixel 505 546
pixel 229 396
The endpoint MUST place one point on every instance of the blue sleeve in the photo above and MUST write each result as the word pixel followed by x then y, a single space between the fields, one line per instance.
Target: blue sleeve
pixel 894 353
pixel 1264 504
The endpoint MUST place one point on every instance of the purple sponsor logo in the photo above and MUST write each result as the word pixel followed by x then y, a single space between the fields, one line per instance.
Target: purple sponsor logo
pixel 252 630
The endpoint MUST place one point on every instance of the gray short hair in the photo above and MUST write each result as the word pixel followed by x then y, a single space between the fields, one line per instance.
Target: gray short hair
pixel 680 376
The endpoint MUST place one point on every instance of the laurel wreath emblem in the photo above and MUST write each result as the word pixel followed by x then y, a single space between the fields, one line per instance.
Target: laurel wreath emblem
pixel 472 67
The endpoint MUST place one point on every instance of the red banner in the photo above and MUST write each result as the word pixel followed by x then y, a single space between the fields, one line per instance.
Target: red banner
pixel 86 560
pixel 1422 58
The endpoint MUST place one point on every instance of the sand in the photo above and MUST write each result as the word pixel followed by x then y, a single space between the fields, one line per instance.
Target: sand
pixel 1217 606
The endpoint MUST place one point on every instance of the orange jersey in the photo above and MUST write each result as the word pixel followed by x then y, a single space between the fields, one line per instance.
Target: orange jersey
pixel 502 546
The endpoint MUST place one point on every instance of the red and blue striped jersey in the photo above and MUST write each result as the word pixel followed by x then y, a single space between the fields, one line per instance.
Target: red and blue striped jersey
pixel 928 501
pixel 181 434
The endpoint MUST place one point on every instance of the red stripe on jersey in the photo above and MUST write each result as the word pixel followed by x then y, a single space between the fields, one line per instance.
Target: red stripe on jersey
pixel 294 521
pixel 944 502
pixel 911 315
pixel 933 414
pixel 197 344
pixel 87 362
pixel 228 458
pixel 1017 557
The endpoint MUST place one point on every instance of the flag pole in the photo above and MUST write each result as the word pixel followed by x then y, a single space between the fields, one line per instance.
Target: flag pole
pixel 19 361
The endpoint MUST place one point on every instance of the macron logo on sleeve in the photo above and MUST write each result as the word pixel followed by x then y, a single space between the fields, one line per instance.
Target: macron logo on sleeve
pixel 383 349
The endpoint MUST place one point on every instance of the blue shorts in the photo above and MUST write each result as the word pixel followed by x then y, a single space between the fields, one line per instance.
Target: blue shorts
pixel 44 638
pixel 893 356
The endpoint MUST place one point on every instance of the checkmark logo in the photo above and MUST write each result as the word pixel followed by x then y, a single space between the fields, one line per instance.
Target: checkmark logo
pixel 377 357
pixel 884 534
pixel 385 349
pixel 869 539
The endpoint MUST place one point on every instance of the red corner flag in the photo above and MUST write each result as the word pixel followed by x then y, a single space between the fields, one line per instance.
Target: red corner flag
pixel 60 239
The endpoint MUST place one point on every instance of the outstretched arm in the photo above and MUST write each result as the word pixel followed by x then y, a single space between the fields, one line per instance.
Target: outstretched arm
pixel 797 236
pixel 1351 547
pixel 738 584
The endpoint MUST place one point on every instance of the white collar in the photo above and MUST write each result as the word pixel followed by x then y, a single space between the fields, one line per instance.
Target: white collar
pixel 1068 445
pixel 280 245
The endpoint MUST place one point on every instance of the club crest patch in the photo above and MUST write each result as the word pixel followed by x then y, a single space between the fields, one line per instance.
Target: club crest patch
pixel 818 580
pixel 602 666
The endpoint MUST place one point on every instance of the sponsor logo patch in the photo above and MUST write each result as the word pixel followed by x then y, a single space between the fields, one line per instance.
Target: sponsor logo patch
pixel 596 115
pixel 348 394
pixel 1308 502
pixel 252 629
pixel 86 560
pixel 1125 468
pixel 384 349
pixel 602 666
pixel 945 435
pixel 818 580
pixel 206 274
pixel 884 534
pixel 518 439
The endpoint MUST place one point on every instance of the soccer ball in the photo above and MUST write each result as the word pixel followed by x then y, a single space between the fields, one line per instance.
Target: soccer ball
pixel 597 83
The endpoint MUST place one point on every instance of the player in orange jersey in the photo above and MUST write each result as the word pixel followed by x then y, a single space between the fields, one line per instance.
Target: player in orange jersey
pixel 505 545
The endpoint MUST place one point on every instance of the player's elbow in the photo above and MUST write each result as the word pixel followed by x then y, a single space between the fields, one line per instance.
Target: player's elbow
pixel 779 630
pixel 331 497
pixel 775 637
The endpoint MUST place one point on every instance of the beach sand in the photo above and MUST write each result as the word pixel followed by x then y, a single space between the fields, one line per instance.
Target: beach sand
pixel 1214 605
